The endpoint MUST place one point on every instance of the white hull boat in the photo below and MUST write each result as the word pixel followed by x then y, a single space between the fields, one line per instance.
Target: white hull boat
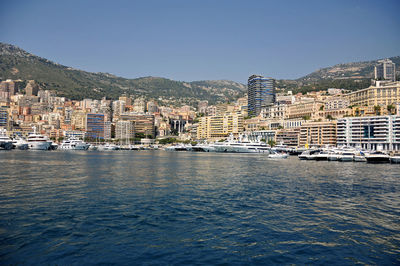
pixel 278 155
pixel 74 144
pixel 5 141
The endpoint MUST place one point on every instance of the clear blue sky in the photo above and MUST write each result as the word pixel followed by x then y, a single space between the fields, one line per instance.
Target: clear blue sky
pixel 197 40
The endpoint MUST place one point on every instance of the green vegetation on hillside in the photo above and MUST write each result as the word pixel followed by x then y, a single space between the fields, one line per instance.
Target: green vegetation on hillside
pixel 15 63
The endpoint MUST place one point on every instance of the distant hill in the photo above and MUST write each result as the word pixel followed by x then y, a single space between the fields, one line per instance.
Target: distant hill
pixel 16 63
pixel 354 71
pixel 352 76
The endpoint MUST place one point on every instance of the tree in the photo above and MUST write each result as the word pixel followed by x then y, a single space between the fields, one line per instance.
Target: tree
pixel 377 109
pixel 167 141
pixel 329 117
pixel 391 108
pixel 271 143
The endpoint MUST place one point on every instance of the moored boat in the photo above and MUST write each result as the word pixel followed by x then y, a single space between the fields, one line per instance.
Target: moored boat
pixel 346 156
pixel 377 157
pixel 20 143
pixel 74 144
pixel 5 141
pixel 107 147
pixel 278 155
pixel 395 158
pixel 38 142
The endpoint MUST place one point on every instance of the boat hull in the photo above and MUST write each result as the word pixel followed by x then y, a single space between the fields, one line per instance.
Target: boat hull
pixel 6 145
pixel 395 159
pixel 378 160
pixel 39 146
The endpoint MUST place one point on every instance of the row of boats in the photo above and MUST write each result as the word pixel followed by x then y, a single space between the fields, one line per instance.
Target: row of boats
pixel 37 141
pixel 349 154
pixel 243 145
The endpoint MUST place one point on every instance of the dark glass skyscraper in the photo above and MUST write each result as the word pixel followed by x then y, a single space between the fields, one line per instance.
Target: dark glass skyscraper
pixel 261 93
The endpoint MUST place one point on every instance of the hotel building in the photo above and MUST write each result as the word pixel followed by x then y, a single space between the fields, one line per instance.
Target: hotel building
pixel 383 93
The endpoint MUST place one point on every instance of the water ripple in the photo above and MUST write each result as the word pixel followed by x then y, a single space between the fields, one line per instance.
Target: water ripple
pixel 155 207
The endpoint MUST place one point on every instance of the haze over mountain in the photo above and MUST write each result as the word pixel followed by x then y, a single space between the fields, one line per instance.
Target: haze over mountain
pixel 16 63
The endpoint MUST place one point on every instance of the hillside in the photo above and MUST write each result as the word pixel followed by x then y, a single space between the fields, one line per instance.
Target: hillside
pixel 16 63
pixel 354 71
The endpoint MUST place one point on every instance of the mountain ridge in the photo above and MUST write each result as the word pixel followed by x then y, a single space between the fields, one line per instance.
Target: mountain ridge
pixel 16 63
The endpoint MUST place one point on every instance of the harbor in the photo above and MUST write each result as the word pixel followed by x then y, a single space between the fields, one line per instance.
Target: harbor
pixel 231 145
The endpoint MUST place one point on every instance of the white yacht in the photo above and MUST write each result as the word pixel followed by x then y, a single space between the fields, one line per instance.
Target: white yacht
pixel 74 144
pixel 178 147
pixel 333 156
pixel 278 155
pixel 359 157
pixel 346 156
pixel 107 147
pixel 5 141
pixel 20 143
pixel 243 145
pixel 307 154
pixel 38 142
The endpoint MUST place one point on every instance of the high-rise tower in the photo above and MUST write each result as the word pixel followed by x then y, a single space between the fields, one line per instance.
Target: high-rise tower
pixel 261 93
pixel 385 70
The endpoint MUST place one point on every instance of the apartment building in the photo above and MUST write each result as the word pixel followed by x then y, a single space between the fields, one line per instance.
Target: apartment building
pixel 220 126
pixel 289 137
pixel 304 109
pixel 370 132
pixel 125 130
pixel 318 133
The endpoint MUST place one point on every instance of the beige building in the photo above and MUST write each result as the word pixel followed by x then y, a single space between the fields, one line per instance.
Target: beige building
pixel 220 126
pixel 304 109
pixel 318 133
pixel 144 123
pixel 336 103
pixel 383 93
pixel 78 119
pixel 275 111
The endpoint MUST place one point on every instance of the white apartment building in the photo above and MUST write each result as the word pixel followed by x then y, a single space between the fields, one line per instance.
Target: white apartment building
pixel 336 103
pixel 277 111
pixel 124 130
pixel 370 132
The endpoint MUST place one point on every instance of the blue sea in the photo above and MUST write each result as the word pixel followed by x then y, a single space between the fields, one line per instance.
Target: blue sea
pixel 183 208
